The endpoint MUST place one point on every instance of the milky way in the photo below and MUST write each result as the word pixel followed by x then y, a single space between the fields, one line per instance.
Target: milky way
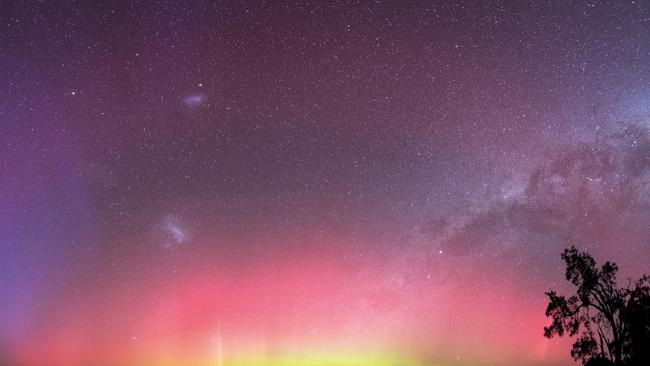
pixel 340 183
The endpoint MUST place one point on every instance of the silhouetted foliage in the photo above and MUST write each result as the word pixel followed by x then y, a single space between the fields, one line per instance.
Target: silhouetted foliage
pixel 612 324
pixel 599 361
pixel 637 315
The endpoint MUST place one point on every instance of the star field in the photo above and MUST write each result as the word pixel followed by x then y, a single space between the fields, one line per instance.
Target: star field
pixel 375 183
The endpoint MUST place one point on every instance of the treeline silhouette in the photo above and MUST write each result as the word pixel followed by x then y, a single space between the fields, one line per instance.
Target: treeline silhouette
pixel 612 324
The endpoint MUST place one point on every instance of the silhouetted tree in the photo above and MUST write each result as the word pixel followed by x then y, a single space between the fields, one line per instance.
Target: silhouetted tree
pixel 612 324
pixel 598 361
pixel 637 316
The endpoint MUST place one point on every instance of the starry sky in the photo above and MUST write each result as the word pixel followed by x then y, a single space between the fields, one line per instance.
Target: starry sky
pixel 313 182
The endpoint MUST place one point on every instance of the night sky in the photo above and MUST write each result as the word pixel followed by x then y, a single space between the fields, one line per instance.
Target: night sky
pixel 370 183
